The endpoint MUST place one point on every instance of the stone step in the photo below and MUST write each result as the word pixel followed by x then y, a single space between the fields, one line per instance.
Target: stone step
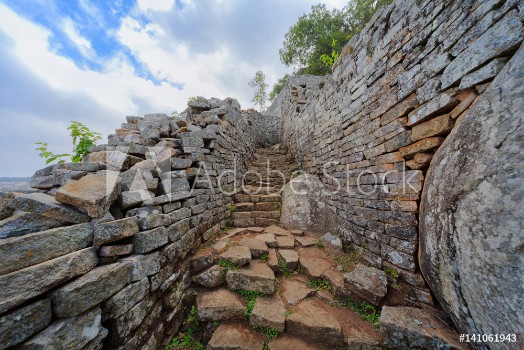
pixel 407 328
pixel 257 247
pixel 259 206
pixel 287 342
pixel 219 305
pixel 237 255
pixel 263 222
pixel 269 312
pixel 236 336
pixel 357 333
pixel 255 277
pixel 245 198
pixel 367 283
pixel 310 321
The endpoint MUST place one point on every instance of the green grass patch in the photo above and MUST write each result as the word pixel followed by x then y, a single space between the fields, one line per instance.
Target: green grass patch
pixel 349 259
pixel 365 310
pixel 227 264
pixel 187 340
pixel 283 268
pixel 251 296
pixel 321 284
pixel 264 258
pixel 319 244
pixel 392 272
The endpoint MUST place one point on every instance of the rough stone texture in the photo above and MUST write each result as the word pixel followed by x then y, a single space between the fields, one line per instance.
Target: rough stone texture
pixel 367 283
pixel 313 266
pixel 202 260
pixel 290 258
pixel 286 343
pixel 303 206
pixel 255 245
pixel 21 223
pixel 311 322
pixel 471 211
pixel 31 249
pixel 43 277
pixel 147 241
pixel 18 325
pixel 143 265
pixel 115 230
pixel 411 328
pixel 295 291
pixel 219 305
pixel 46 206
pixel 235 336
pixel 91 289
pixel 68 333
pixel 125 299
pixel 256 277
pixel 212 277
pixel 94 193
pixel 269 312
pixel 238 255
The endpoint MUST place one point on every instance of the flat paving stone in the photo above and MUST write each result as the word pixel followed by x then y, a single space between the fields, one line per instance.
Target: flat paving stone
pixel 255 277
pixel 277 231
pixel 269 312
pixel 294 292
pixel 238 255
pixel 256 246
pixel 235 336
pixel 286 242
pixel 219 305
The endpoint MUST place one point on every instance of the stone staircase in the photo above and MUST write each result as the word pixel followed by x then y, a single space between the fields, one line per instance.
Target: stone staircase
pixel 270 288
pixel 258 201
pixel 260 286
pixel 267 287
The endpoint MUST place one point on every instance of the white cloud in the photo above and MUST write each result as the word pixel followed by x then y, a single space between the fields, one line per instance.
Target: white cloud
pixel 81 42
pixel 155 5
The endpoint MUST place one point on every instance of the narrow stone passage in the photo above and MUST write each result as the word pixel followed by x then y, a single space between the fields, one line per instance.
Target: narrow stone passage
pixel 261 286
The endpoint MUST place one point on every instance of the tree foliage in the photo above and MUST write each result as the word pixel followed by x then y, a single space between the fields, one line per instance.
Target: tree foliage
pixel 315 41
pixel 279 85
pixel 260 86
pixel 83 139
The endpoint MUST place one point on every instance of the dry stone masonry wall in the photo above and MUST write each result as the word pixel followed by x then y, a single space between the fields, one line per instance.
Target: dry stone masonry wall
pixel 419 71
pixel 98 257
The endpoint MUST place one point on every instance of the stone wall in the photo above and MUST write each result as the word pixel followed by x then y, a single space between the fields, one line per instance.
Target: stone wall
pixel 100 257
pixel 374 125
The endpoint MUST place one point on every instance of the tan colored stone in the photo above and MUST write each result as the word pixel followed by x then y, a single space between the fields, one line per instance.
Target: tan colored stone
pixel 314 267
pixel 256 246
pixel 269 312
pixel 256 277
pixel 219 305
pixel 307 241
pixel 436 126
pixel 287 342
pixel 269 239
pixel 94 193
pixel 294 291
pixel 421 146
pixel 290 258
pixel 235 336
pixel 277 231
pixel 238 255
pixel 311 321
pixel 286 242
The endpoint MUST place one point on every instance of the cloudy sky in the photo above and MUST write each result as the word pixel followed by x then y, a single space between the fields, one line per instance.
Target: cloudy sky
pixel 97 61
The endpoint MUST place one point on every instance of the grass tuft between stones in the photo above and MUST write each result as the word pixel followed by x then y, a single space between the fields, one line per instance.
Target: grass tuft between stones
pixel 366 311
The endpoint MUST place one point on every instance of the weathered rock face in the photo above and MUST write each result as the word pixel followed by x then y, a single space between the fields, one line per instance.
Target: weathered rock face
pixel 471 233
pixel 304 208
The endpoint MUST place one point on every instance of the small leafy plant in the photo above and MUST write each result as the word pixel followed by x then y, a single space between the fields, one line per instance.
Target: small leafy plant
pixel 228 265
pixel 319 244
pixel 83 139
pixel 283 268
pixel 186 341
pixel 366 311
pixel 330 60
pixel 321 284
pixel 264 258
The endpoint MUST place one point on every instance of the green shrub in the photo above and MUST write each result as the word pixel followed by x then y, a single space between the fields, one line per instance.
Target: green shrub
pixel 83 139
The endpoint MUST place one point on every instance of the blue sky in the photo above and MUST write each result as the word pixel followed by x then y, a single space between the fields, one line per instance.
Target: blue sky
pixel 97 61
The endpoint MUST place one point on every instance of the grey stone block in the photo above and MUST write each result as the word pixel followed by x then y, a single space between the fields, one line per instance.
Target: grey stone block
pixel 31 249
pixel 43 277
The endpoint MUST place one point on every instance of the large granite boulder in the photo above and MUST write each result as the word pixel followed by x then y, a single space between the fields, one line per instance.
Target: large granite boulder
pixel 471 228
pixel 303 207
